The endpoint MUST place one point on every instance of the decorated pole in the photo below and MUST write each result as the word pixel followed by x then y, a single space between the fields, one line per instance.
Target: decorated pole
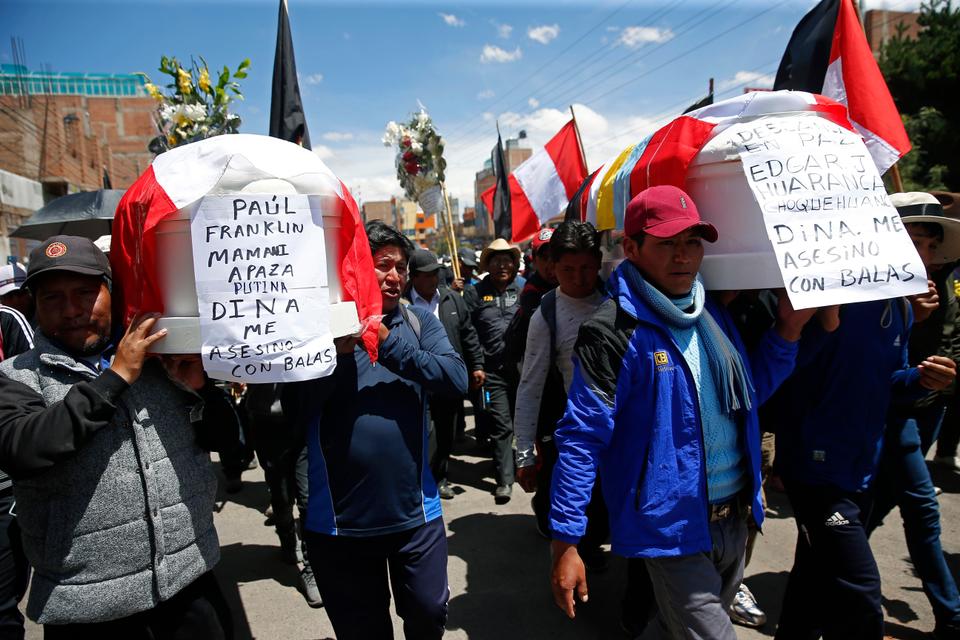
pixel 451 233
pixel 420 169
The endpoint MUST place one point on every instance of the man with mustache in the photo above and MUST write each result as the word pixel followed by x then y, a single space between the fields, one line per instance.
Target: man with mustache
pixel 110 464
pixel 492 304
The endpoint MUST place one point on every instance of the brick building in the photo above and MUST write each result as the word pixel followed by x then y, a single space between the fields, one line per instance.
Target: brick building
pixel 65 131
pixel 880 25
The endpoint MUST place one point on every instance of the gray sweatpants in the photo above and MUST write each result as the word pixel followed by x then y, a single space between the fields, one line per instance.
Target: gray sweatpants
pixel 694 592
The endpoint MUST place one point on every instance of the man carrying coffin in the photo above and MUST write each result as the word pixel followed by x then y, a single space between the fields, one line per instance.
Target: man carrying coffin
pixel 110 464
pixel 374 519
pixel 664 401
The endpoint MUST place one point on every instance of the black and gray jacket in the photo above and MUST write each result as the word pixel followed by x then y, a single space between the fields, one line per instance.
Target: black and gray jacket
pixel 114 492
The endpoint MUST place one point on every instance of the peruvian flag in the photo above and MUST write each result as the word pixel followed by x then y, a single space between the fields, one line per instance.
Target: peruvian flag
pixel 182 176
pixel 664 157
pixel 828 54
pixel 542 186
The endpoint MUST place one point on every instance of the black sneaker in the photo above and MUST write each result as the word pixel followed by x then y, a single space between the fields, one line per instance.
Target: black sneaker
pixel 445 490
pixel 502 494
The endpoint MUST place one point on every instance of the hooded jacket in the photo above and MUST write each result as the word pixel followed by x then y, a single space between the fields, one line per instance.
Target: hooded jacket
pixel 633 412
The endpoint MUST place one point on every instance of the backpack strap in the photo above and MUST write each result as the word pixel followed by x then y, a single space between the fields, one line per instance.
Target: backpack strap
pixel 412 320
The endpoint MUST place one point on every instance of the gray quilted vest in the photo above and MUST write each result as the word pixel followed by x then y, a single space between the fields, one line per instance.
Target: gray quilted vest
pixel 128 521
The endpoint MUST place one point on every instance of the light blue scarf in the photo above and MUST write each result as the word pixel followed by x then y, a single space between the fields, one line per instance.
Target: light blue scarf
pixel 729 374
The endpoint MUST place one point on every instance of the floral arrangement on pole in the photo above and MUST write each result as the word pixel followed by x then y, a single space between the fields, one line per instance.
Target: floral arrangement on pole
pixel 193 107
pixel 419 160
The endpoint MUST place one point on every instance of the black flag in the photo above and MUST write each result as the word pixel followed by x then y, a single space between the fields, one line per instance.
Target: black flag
pixel 502 218
pixel 287 120
pixel 804 63
pixel 699 103
pixel 574 207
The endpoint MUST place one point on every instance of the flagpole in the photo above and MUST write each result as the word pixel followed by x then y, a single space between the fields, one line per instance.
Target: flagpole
pixel 451 236
pixel 576 128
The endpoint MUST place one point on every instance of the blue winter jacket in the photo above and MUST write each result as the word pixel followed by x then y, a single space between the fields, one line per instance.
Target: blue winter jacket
pixel 835 405
pixel 367 431
pixel 633 411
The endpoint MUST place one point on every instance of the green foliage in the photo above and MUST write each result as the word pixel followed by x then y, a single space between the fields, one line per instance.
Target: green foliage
pixel 923 75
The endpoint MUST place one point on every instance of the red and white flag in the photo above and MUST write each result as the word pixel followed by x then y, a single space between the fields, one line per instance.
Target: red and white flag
pixel 828 54
pixel 541 187
pixel 182 176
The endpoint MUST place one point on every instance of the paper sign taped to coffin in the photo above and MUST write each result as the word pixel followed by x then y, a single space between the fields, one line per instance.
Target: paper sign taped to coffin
pixel 836 236
pixel 260 267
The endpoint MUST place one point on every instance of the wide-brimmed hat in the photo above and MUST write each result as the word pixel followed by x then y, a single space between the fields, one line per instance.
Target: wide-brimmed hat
pixel 950 202
pixel 917 206
pixel 498 246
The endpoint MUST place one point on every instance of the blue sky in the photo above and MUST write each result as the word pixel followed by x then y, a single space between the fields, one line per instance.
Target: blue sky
pixel 626 66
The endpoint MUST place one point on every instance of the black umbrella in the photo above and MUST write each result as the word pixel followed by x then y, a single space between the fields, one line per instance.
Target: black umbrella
pixel 88 214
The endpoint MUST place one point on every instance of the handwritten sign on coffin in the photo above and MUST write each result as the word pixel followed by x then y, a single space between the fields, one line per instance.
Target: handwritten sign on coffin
pixel 260 267
pixel 836 236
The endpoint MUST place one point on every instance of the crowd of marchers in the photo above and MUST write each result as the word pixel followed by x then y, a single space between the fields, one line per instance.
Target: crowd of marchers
pixel 640 410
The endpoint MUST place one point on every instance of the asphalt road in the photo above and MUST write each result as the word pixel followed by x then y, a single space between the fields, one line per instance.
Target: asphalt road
pixel 499 568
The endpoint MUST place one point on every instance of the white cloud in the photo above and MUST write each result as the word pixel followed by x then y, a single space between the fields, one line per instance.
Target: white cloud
pixel 747 79
pixel 533 102
pixel 337 136
pixel 314 78
pixel 633 37
pixel 503 30
pixel 544 33
pixel 486 94
pixel 323 152
pixel 487 116
pixel 493 53
pixel 452 20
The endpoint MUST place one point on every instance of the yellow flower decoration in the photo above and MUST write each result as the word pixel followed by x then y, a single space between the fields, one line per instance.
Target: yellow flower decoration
pixel 153 91
pixel 204 81
pixel 172 140
pixel 184 81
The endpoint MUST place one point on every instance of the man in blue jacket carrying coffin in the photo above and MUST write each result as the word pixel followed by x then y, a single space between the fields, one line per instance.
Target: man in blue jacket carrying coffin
pixel 664 402
pixel 374 519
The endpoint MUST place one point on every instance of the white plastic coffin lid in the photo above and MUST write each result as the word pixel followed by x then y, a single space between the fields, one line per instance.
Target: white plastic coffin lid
pixel 177 282
pixel 742 257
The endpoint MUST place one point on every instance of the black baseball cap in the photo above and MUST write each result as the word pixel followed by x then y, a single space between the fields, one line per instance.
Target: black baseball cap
pixel 467 256
pixel 68 253
pixel 423 261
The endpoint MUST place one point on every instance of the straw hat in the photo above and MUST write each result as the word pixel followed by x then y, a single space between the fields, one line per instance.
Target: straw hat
pixel 497 246
pixel 917 206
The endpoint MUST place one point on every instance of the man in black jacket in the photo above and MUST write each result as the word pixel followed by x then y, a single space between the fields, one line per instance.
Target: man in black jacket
pixel 492 304
pixel 448 306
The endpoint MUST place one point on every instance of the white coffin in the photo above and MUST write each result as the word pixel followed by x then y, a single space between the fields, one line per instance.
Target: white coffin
pixel 178 284
pixel 742 257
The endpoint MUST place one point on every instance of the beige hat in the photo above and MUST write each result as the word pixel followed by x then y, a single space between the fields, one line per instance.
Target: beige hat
pixel 497 246
pixel 917 206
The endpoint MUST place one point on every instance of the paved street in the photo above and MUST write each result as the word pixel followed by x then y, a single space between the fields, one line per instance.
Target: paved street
pixel 499 569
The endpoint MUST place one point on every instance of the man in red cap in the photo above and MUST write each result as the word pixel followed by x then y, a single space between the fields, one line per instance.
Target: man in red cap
pixel 664 401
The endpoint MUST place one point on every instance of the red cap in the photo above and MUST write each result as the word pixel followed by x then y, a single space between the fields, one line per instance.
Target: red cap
pixel 663 212
pixel 542 238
